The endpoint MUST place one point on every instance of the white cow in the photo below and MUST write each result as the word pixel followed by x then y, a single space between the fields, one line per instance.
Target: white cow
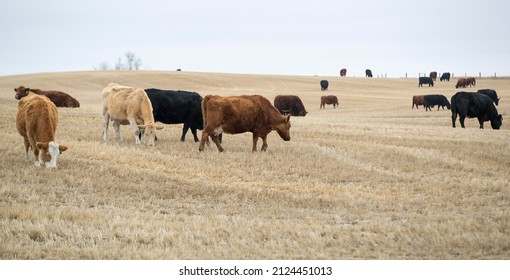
pixel 127 105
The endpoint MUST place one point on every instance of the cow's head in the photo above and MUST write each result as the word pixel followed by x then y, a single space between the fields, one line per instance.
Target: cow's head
pixel 497 122
pixel 149 131
pixel 283 128
pixel 497 102
pixel 48 153
pixel 303 113
pixel 21 92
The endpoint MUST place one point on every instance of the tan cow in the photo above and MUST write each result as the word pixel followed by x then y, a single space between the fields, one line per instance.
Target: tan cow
pixel 239 114
pixel 36 121
pixel 127 105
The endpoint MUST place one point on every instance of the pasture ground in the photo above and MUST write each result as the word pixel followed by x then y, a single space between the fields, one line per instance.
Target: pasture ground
pixel 373 179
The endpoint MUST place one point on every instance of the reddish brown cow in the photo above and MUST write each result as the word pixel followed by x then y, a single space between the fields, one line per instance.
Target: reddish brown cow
pixel 239 114
pixel 36 121
pixel 461 83
pixel 60 99
pixel 433 75
pixel 418 100
pixel 328 99
pixel 471 81
pixel 343 72
pixel 290 104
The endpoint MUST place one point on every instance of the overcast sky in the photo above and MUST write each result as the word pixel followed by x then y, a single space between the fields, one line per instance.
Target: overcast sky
pixel 317 37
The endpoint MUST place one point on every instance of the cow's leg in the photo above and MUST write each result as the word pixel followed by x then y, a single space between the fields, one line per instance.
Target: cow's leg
pixel 264 143
pixel 480 120
pixel 185 130
pixel 461 119
pixel 116 126
pixel 136 131
pixel 206 132
pixel 194 132
pixel 27 149
pixel 205 135
pixel 255 139
pixel 106 123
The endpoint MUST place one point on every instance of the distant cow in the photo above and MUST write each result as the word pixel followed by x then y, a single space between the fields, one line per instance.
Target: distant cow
pixel 490 93
pixel 425 80
pixel 127 105
pixel 471 81
pixel 60 99
pixel 368 73
pixel 324 85
pixel 329 99
pixel 36 121
pixel 173 107
pixel 418 100
pixel 475 105
pixel 461 83
pixel 445 77
pixel 431 100
pixel 239 114
pixel 343 72
pixel 433 75
pixel 290 104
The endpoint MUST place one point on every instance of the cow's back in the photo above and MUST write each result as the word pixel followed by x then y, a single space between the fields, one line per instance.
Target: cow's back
pixel 37 117
pixel 123 102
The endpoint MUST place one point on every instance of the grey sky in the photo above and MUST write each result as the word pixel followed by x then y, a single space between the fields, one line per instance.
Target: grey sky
pixel 262 37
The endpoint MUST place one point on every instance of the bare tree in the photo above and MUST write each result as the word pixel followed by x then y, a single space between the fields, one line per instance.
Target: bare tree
pixel 104 66
pixel 119 65
pixel 132 61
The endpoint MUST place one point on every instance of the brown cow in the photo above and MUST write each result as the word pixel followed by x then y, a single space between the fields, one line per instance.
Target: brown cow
pixel 328 99
pixel 461 83
pixel 239 114
pixel 127 105
pixel 343 72
pixel 433 75
pixel 36 121
pixel 60 99
pixel 418 100
pixel 471 81
pixel 290 104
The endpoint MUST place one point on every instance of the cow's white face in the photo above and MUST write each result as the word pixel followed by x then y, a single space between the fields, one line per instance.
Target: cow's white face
pixel 48 153
pixel 149 131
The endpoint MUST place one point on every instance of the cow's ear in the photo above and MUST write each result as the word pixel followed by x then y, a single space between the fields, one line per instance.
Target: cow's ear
pixel 41 145
pixel 287 119
pixel 27 90
pixel 62 148
pixel 141 126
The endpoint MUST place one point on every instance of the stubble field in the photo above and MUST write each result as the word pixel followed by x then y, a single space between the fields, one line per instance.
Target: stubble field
pixel 370 180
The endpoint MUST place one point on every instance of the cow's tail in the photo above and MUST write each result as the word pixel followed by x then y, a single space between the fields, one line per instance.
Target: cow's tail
pixel 454 109
pixel 204 109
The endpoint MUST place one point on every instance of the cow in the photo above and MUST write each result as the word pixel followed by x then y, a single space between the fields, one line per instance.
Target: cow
pixel 173 107
pixel 290 104
pixel 368 73
pixel 433 75
pixel 418 100
pixel 471 81
pixel 239 114
pixel 343 72
pixel 461 83
pixel 324 85
pixel 60 99
pixel 445 77
pixel 127 105
pixel 490 93
pixel 425 80
pixel 36 121
pixel 431 100
pixel 328 99
pixel 475 105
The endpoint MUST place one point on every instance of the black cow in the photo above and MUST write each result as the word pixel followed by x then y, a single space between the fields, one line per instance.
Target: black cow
pixel 475 105
pixel 324 85
pixel 368 73
pixel 435 99
pixel 173 107
pixel 490 93
pixel 445 76
pixel 425 80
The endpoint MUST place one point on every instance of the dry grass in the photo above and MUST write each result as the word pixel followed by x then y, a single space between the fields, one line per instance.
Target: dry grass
pixel 371 180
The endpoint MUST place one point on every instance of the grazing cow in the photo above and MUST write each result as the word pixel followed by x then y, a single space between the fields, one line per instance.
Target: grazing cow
pixel 60 99
pixel 343 72
pixel 461 83
pixel 471 81
pixel 368 73
pixel 425 80
pixel 418 100
pixel 475 105
pixel 127 105
pixel 324 85
pixel 445 77
pixel 329 99
pixel 435 99
pixel 433 75
pixel 238 114
pixel 490 93
pixel 290 104
pixel 173 107
pixel 36 121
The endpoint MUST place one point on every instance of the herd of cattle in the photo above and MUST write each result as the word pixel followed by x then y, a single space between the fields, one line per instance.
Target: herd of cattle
pixel 37 116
